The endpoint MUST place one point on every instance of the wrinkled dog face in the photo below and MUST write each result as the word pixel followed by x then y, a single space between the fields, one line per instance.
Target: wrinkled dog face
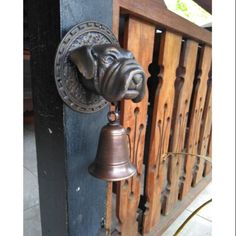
pixel 114 72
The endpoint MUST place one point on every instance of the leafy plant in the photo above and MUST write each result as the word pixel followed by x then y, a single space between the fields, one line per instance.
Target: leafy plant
pixel 182 6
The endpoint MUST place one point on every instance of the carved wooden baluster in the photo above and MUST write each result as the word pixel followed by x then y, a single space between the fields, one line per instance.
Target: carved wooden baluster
pixel 140 40
pixel 208 165
pixel 182 96
pixel 204 136
pixel 196 117
pixel 161 124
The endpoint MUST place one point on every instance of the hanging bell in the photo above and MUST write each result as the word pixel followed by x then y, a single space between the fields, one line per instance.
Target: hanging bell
pixel 112 161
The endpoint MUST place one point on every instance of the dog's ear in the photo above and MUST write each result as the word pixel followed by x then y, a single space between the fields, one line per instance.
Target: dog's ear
pixel 83 58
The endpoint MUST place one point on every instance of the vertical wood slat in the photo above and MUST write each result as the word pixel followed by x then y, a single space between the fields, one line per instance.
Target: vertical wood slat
pixel 196 117
pixel 182 96
pixel 140 40
pixel 208 165
pixel 161 124
pixel 108 217
pixel 115 18
pixel 204 137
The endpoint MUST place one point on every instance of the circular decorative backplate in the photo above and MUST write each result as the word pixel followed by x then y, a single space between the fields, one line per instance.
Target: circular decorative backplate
pixel 69 87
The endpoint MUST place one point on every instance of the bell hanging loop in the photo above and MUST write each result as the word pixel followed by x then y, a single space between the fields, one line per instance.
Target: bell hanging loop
pixel 112 162
pixel 113 117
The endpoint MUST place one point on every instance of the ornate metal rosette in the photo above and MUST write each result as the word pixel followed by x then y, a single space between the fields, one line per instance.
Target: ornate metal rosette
pixel 69 87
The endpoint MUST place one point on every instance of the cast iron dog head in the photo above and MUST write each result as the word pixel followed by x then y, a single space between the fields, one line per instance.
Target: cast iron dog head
pixel 110 71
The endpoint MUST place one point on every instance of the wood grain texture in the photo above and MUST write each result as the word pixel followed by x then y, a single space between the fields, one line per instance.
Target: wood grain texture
pixel 140 41
pixel 183 92
pixel 128 192
pixel 205 134
pixel 108 218
pixel 161 124
pixel 208 165
pixel 115 18
pixel 155 12
pixel 196 117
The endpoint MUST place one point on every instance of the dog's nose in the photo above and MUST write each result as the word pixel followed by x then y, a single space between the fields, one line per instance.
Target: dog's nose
pixel 138 79
pixel 136 82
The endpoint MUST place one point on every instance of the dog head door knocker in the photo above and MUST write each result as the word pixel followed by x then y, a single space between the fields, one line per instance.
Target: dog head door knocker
pixel 91 69
pixel 110 71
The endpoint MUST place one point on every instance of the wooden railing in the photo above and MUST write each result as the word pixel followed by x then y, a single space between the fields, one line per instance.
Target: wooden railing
pixel 174 117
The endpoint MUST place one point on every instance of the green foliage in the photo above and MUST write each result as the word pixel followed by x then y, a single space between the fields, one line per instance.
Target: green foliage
pixel 181 6
pixel 189 10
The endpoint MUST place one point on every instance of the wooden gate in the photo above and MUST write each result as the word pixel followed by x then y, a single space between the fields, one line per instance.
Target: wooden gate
pixel 174 117
pixel 167 129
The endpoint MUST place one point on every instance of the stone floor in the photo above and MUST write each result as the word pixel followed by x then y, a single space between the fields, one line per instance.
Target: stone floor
pixel 199 225
pixel 32 226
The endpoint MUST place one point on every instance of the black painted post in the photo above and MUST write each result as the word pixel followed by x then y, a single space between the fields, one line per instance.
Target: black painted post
pixel 72 202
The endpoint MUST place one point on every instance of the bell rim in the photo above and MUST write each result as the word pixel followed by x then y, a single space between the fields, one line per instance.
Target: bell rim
pixel 113 179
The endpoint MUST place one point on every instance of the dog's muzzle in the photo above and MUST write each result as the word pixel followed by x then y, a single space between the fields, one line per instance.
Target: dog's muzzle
pixel 124 79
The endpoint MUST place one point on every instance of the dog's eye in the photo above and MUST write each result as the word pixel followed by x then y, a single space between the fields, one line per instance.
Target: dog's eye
pixel 108 59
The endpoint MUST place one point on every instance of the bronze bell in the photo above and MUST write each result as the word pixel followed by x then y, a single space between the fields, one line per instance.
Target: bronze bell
pixel 112 161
